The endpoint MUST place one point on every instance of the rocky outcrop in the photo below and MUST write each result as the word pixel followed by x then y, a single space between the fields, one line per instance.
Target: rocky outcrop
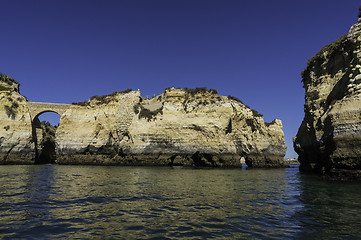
pixel 329 139
pixel 180 127
pixel 16 140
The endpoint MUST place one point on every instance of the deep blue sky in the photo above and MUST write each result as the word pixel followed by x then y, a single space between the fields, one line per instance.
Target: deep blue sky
pixel 69 50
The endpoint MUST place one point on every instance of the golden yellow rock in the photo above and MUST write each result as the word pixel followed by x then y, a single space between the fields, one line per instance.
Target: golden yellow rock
pixel 178 127
pixel 16 140
pixel 181 127
pixel 329 139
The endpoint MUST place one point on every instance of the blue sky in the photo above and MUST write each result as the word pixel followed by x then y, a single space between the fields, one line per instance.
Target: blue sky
pixel 69 50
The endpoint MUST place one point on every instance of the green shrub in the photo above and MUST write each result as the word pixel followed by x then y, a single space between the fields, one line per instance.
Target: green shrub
pixel 256 113
pixel 136 108
pixel 213 91
pixel 148 114
pixel 237 100
pixel 125 91
pixel 145 112
pixel 329 48
pixel 103 99
pixel 15 105
pixel 169 88
pixel 202 90
pixel 83 103
pixel 234 98
pixel 11 110
pixel 7 79
pixel 252 124
pixel 48 129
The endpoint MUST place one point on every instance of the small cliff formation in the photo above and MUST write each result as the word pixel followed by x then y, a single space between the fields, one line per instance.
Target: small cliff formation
pixel 329 139
pixel 180 127
pixel 16 139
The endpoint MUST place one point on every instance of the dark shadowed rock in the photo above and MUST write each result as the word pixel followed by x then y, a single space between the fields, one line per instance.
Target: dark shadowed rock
pixel 329 139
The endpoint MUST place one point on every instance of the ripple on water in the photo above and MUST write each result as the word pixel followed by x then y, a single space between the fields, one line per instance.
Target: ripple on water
pixel 49 201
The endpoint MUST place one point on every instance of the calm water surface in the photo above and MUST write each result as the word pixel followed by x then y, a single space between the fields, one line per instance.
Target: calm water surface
pixel 94 202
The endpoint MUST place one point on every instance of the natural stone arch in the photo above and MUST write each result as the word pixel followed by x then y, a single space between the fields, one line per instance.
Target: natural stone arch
pixel 41 134
pixel 46 111
pixel 44 138
pixel 38 108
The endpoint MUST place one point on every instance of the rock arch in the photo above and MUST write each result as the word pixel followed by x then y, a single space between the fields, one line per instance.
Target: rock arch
pixel 44 148
pixel 38 108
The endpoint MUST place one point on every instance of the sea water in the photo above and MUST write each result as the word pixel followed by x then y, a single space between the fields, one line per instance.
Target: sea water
pixel 97 202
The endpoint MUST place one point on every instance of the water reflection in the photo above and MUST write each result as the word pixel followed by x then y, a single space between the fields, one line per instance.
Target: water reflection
pixel 331 209
pixel 51 201
pixel 25 194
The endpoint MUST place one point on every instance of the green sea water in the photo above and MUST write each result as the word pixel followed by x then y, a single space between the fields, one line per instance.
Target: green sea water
pixel 96 202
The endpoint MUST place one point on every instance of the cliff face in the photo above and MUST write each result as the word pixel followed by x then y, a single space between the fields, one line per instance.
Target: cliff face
pixel 178 127
pixel 329 139
pixel 16 145
pixel 191 127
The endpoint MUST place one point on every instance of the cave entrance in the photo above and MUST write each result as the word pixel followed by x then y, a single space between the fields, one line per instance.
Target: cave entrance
pixel 44 126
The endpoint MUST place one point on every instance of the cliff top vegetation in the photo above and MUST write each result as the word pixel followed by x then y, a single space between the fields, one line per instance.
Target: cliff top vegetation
pixel 194 91
pixel 329 49
pixel 103 99
pixel 6 79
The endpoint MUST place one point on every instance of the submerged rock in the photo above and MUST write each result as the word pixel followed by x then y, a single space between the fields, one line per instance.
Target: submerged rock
pixel 329 139
pixel 180 127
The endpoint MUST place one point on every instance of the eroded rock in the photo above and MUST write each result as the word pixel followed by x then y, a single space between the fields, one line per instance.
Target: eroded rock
pixel 329 139
pixel 180 127
pixel 16 141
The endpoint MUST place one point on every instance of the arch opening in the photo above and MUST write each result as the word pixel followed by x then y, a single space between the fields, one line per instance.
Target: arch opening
pixel 44 126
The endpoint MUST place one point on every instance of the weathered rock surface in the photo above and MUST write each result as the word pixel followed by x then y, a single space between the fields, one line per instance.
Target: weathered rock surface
pixel 329 139
pixel 178 127
pixel 192 127
pixel 16 140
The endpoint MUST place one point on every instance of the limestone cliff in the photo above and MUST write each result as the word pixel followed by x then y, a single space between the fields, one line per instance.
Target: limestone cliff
pixel 187 127
pixel 178 127
pixel 329 139
pixel 16 144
